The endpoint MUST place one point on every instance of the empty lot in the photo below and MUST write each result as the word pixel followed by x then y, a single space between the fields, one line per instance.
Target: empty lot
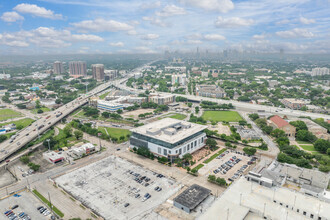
pixel 106 186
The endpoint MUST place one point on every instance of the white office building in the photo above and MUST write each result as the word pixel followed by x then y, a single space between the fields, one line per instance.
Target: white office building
pixel 320 71
pixel 109 105
pixel 169 137
pixel 179 79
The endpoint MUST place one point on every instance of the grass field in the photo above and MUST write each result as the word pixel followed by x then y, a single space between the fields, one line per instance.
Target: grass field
pixel 44 109
pixel 8 113
pixel 178 116
pixel 23 122
pixel 308 147
pixel 217 116
pixel 199 166
pixel 104 95
pixel 303 142
pixel 115 132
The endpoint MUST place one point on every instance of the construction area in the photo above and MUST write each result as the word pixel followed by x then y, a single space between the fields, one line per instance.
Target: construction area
pixel 117 189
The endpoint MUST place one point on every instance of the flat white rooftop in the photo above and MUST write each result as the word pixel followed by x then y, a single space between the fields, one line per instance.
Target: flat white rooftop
pixel 243 196
pixel 169 130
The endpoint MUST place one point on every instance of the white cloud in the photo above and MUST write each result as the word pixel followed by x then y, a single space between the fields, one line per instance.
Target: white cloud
pixel 132 32
pixel 102 25
pixel 211 5
pixel 156 21
pixel 306 20
pixel 285 21
pixel 11 16
pixel 87 38
pixel 150 37
pixel 214 37
pixel 116 44
pixel 295 33
pixel 144 50
pixel 46 37
pixel 259 36
pixel 194 42
pixel 232 22
pixel 171 10
pixel 151 5
pixel 37 11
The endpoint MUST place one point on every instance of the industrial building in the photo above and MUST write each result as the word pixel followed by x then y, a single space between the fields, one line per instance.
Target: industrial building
pixel 189 199
pixel 249 200
pixel 169 137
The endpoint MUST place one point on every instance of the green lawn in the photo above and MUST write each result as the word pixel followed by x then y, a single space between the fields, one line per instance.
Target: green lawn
pixel 8 113
pixel 215 155
pixel 178 116
pixel 104 95
pixel 115 132
pixel 44 109
pixel 308 147
pixel 56 210
pixel 23 122
pixel 199 166
pixel 228 116
pixel 303 142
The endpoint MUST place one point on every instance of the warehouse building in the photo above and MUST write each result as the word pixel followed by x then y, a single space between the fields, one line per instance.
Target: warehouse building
pixel 169 137
pixel 189 199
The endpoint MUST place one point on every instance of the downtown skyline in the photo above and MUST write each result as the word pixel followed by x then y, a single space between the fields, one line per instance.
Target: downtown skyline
pixel 135 26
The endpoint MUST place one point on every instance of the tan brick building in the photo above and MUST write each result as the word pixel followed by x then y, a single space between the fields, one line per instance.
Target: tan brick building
pixel 278 122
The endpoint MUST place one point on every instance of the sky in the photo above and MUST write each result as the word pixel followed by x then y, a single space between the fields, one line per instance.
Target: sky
pixel 136 26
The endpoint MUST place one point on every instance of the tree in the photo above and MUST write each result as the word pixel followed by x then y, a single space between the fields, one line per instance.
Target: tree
pixel 106 114
pixel 304 135
pixel 67 131
pixel 78 134
pixel 119 111
pixel 33 166
pixel 267 129
pixel 3 138
pixel 187 157
pixel 40 111
pixel 189 104
pixel 38 104
pixel 322 145
pixel 211 142
pixel 52 143
pixel 300 125
pixel 278 133
pixel 212 178
pixel 249 150
pixel 122 138
pixel 196 109
pixel 19 127
pixel 242 122
pixel 58 101
pixel 25 159
pixel 221 181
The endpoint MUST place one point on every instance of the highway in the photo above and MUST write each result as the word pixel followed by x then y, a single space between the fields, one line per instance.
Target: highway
pixel 28 134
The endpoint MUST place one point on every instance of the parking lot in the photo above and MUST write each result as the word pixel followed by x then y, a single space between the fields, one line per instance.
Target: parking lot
pixel 117 189
pixel 230 165
pixel 26 204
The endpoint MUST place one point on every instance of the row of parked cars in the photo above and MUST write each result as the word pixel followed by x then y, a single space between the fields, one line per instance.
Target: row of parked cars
pixel 44 211
pixel 19 216
pixel 238 173
pixel 223 169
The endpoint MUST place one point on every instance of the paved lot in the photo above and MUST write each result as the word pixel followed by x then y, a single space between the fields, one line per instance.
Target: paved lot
pixel 106 186
pixel 214 164
pixel 27 203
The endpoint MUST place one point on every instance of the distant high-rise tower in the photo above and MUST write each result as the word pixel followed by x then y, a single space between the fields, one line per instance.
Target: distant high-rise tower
pixel 98 72
pixel 58 67
pixel 77 68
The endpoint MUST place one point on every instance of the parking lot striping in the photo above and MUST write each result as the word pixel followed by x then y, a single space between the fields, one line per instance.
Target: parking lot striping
pixel 16 192
pixel 116 183
pixel 46 202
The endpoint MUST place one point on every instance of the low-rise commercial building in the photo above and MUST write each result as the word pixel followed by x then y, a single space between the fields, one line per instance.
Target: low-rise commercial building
pixel 169 137
pixel 111 106
pixel 53 157
pixel 189 199
pixel 79 152
pixel 278 122
pixel 294 103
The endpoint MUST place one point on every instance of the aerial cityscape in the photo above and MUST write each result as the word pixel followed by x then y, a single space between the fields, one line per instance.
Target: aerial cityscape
pixel 165 110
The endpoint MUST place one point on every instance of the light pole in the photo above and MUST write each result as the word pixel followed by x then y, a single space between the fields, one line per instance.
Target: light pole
pixel 48 140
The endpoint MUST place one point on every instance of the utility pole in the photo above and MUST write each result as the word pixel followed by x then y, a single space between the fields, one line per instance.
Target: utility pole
pixel 50 203
pixel 48 140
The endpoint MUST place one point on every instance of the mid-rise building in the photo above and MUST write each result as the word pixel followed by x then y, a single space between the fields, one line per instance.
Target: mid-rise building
pixel 110 74
pixel 161 99
pixel 179 79
pixel 210 91
pixel 170 138
pixel 294 103
pixel 77 68
pixel 109 105
pixel 320 71
pixel 58 67
pixel 98 72
pixel 278 122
